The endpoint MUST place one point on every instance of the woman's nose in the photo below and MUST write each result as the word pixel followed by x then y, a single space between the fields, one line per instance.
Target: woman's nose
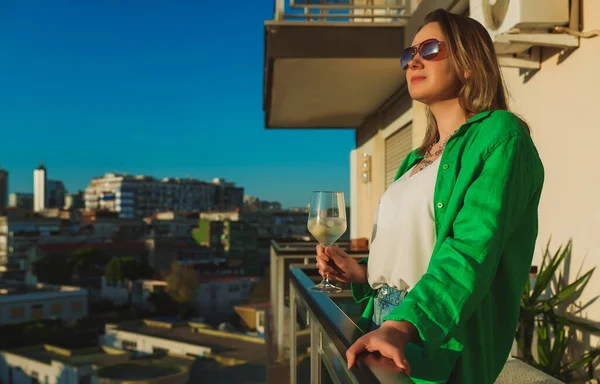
pixel 416 62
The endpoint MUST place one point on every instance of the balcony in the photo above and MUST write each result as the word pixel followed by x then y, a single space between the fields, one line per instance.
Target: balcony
pixel 331 63
pixel 307 334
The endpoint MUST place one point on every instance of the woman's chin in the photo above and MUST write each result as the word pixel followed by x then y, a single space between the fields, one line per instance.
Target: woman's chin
pixel 421 97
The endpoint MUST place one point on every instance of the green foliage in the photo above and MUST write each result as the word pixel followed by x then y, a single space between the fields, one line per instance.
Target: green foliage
pixel 53 269
pixel 182 284
pixel 543 312
pixel 127 268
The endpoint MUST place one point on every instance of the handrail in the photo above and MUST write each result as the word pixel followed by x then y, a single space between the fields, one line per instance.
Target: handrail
pixel 342 332
pixel 336 11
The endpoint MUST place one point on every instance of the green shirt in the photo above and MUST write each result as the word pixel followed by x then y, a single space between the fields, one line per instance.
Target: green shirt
pixel 466 306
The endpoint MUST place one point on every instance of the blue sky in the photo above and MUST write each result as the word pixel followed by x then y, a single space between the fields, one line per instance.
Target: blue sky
pixel 165 88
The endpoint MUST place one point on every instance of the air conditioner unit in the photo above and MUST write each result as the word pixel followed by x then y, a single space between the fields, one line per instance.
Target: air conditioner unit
pixel 506 17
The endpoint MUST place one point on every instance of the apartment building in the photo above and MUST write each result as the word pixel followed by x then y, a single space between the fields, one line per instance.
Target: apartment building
pixel 21 302
pixel 140 196
pixel 217 295
pixel 21 230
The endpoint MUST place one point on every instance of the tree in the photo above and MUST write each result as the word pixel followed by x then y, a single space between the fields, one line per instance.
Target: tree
pixel 114 270
pixel 119 269
pixel 133 269
pixel 182 284
pixel 87 260
pixel 53 269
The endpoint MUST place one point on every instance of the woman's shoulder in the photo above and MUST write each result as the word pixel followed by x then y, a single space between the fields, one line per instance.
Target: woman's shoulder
pixel 497 127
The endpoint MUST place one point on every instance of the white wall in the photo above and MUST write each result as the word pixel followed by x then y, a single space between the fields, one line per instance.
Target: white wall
pixel 46 299
pixel 228 293
pixel 145 344
pixel 365 197
pixel 56 372
pixel 561 103
pixel 117 293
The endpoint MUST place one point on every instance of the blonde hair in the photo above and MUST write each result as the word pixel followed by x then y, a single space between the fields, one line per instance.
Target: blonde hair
pixel 470 48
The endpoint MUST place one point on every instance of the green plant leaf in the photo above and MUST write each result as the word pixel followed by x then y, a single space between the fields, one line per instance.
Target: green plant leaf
pixel 547 272
pixel 587 358
pixel 581 325
pixel 571 289
pixel 561 343
pixel 543 343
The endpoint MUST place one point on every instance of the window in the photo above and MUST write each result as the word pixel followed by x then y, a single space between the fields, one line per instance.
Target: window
pixel 234 288
pixel 56 309
pixel 17 313
pixel 160 351
pixel 76 307
pixel 129 345
pixel 37 312
pixel 34 378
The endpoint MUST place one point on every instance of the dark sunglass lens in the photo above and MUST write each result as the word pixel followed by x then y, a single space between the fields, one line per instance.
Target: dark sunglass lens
pixel 430 49
pixel 407 55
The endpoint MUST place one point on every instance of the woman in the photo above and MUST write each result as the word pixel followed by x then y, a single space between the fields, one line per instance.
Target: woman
pixel 454 235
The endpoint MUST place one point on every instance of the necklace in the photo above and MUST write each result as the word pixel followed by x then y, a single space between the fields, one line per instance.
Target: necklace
pixel 429 158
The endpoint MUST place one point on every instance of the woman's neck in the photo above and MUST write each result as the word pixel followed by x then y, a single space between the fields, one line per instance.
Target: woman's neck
pixel 449 116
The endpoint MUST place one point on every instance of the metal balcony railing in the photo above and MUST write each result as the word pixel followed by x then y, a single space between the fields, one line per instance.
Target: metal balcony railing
pixel 365 11
pixel 303 323
pixel 283 257
pixel 332 332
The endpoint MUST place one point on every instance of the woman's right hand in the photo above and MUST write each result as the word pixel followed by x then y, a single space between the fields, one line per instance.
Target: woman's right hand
pixel 334 263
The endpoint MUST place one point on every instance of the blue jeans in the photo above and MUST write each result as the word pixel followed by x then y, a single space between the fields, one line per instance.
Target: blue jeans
pixel 386 299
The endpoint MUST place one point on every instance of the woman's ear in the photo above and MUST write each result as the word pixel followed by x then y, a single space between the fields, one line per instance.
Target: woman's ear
pixel 468 73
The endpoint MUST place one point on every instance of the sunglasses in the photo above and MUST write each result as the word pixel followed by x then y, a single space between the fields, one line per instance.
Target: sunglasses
pixel 430 49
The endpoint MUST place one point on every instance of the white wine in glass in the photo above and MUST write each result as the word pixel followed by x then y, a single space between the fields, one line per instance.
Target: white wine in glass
pixel 327 223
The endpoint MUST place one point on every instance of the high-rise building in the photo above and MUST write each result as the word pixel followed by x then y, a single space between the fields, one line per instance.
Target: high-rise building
pixel 40 193
pixel 3 188
pixel 140 196
pixel 55 192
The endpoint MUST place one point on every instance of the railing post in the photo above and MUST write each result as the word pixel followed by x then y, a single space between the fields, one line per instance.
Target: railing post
pixel 293 349
pixel 280 308
pixel 279 10
pixel 315 352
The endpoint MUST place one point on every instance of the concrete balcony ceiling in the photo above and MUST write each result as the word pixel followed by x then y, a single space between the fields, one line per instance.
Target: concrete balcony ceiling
pixel 329 75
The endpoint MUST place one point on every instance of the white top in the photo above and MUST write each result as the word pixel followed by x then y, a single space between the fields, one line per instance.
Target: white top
pixel 404 231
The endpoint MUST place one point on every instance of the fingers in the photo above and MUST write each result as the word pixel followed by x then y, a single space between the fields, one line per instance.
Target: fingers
pixel 358 347
pixel 321 253
pixel 399 359
pixel 335 253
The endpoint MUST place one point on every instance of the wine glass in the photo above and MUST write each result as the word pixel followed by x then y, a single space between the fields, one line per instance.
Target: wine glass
pixel 327 222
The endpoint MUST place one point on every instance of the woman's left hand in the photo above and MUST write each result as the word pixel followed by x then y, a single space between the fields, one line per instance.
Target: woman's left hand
pixel 389 340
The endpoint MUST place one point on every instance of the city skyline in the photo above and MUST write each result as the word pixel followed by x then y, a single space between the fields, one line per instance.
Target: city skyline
pixel 150 88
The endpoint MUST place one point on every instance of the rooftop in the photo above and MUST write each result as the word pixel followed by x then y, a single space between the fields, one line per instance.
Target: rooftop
pixel 142 370
pixel 88 356
pixel 10 288
pixel 222 344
